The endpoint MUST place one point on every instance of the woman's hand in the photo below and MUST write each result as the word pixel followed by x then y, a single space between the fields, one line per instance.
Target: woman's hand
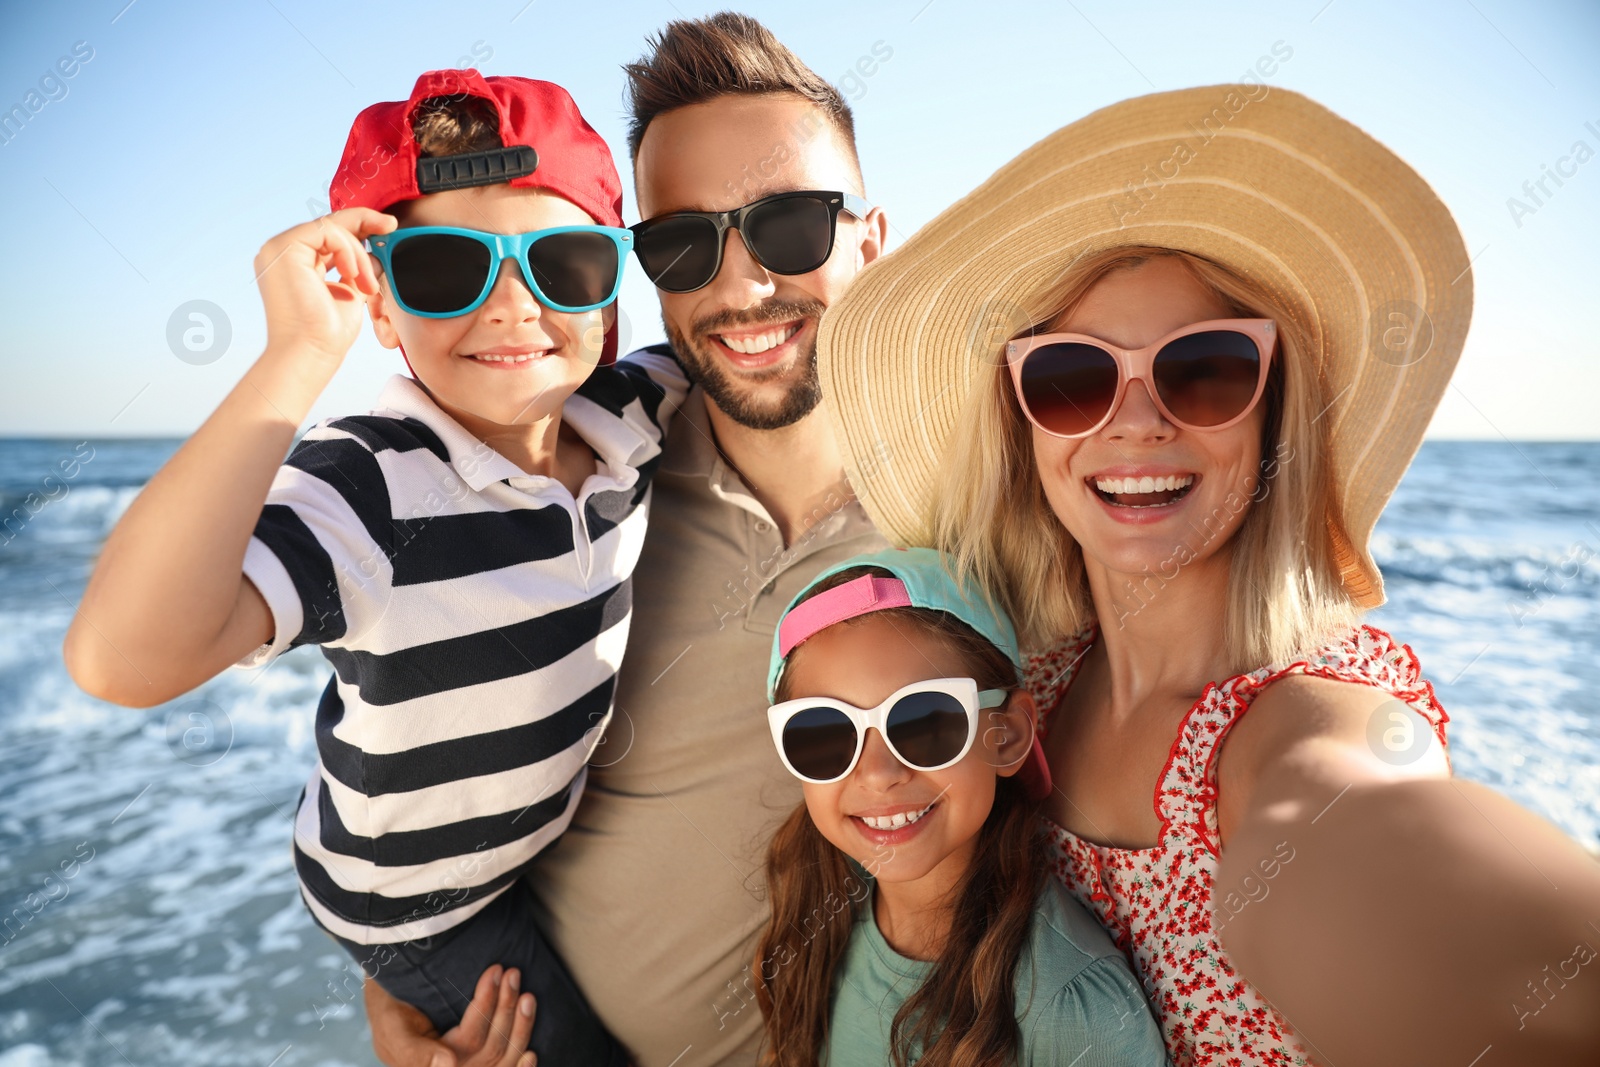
pixel 494 1031
pixel 305 311
pixel 1393 915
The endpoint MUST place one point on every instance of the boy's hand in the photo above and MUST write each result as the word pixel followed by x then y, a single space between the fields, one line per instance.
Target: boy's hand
pixel 169 603
pixel 305 310
pixel 494 1032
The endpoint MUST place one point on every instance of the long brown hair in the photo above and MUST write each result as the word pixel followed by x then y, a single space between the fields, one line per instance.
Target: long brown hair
pixel 964 1014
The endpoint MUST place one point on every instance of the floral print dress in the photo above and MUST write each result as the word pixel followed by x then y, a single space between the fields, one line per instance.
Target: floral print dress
pixel 1156 902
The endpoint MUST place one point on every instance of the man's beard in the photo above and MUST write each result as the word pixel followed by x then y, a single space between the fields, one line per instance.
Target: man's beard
pixel 705 369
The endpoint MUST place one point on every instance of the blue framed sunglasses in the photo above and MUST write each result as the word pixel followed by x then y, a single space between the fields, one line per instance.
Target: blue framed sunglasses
pixel 439 272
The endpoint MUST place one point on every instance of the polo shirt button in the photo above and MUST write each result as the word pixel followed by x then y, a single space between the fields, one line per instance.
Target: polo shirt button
pixel 763 526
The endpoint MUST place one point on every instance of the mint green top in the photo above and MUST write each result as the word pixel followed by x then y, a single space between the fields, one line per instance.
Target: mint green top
pixel 1078 1003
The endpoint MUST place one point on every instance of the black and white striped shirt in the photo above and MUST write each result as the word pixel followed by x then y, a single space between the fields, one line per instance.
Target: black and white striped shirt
pixel 475 618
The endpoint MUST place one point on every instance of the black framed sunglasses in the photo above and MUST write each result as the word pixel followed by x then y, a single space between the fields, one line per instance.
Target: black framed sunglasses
pixel 787 233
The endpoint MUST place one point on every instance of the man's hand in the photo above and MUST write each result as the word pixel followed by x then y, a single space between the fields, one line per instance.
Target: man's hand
pixel 494 1031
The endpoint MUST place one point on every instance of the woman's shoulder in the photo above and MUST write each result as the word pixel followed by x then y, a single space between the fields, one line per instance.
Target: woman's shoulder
pixel 1365 658
pixel 1366 653
pixel 1363 693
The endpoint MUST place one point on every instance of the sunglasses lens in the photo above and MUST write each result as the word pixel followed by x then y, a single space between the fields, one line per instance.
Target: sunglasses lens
pixel 819 743
pixel 575 270
pixel 438 273
pixel 679 254
pixel 1068 387
pixel 928 729
pixel 1206 379
pixel 790 236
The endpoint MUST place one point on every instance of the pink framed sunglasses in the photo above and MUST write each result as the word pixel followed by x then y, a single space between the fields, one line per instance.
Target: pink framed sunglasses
pixel 1205 376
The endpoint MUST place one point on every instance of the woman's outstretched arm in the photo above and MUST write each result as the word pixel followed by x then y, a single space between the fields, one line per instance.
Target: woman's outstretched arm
pixel 1417 919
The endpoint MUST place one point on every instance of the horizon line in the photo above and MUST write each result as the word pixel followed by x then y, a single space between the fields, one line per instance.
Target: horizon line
pixel 70 436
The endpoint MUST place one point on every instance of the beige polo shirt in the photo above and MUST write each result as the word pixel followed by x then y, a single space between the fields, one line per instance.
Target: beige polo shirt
pixel 655 895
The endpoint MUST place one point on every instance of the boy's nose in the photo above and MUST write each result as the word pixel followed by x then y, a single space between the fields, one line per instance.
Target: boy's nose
pixel 511 300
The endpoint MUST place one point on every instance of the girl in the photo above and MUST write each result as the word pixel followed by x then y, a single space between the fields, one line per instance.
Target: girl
pixel 911 917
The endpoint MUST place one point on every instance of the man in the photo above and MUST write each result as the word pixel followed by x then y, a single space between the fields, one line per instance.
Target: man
pixel 655 896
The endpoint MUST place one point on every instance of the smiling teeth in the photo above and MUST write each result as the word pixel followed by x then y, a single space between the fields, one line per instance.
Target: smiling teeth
pixel 895 821
pixel 1144 485
pixel 755 344
pixel 487 358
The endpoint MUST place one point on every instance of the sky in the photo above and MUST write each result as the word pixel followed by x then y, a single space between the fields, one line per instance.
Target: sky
pixel 188 134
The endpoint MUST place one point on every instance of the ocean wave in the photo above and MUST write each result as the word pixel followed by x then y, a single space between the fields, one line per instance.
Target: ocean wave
pixel 182 937
pixel 77 513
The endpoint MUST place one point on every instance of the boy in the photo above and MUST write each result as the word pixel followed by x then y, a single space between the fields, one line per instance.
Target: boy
pixel 462 553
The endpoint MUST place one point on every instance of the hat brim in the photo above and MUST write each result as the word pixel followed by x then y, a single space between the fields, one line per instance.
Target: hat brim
pixel 1267 183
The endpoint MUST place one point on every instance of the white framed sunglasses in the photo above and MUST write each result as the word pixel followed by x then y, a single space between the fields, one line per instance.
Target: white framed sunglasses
pixel 928 725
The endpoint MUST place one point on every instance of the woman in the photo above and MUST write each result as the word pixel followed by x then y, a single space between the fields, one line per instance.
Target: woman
pixel 1153 382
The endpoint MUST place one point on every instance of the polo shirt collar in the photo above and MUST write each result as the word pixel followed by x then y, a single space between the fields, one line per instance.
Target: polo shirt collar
pixel 691 448
pixel 617 441
pixel 692 451
pixel 474 462
pixel 618 445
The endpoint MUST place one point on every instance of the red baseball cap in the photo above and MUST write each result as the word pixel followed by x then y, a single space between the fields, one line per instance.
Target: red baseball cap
pixel 546 145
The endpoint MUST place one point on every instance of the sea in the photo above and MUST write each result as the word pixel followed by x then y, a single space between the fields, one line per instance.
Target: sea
pixel 148 907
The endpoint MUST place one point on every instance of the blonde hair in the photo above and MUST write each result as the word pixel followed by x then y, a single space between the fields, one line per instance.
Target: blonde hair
pixel 1285 596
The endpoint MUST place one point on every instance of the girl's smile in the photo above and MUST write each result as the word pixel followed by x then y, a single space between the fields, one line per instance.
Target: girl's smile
pixel 902 824
pixel 894 824
pixel 910 900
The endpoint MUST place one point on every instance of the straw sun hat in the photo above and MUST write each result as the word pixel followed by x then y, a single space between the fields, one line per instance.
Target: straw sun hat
pixel 1263 181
